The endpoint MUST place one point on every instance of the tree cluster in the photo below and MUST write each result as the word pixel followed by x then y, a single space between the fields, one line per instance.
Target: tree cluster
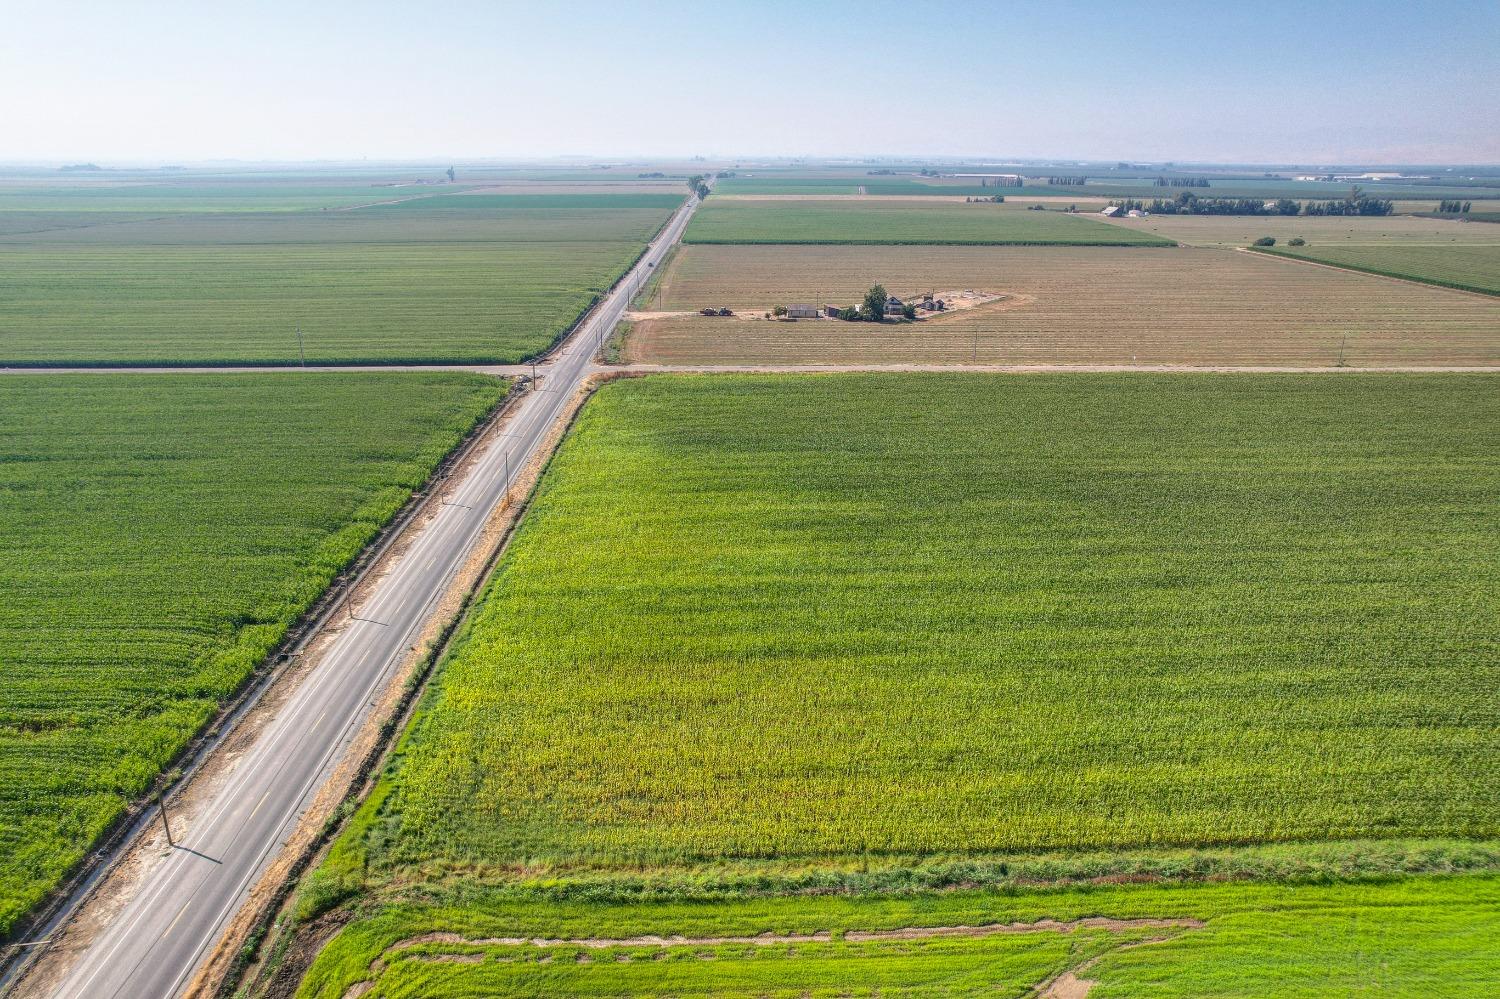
pixel 1356 204
pixel 1188 203
pixel 1180 182
pixel 997 199
pixel 698 185
pixel 872 310
pixel 1067 181
pixel 1454 207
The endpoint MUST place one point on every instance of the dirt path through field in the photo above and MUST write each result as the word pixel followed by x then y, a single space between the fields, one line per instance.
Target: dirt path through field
pixel 823 936
pixel 1227 369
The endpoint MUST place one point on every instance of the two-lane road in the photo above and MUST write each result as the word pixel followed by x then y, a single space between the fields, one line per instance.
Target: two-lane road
pixel 157 940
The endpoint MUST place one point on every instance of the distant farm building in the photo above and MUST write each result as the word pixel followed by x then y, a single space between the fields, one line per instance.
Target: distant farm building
pixel 802 311
pixel 1111 211
pixel 893 307
pixel 1135 213
pixel 832 311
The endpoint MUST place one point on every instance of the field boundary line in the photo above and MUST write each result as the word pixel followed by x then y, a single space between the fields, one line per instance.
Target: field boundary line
pixel 646 368
pixel 79 887
pixel 1273 253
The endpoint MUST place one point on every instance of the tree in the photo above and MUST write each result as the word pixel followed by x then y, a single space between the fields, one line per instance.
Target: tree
pixel 875 303
pixel 1266 241
pixel 450 175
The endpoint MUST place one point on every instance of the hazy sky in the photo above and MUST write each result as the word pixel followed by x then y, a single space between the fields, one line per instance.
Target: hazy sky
pixel 162 80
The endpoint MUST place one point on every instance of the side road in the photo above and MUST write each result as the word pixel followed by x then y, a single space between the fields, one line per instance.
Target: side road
pixel 151 943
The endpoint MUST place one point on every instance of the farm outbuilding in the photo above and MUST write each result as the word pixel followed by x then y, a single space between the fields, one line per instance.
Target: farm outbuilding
pixel 802 311
pixel 1111 211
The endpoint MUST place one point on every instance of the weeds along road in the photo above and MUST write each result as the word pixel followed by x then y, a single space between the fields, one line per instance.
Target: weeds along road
pixel 152 945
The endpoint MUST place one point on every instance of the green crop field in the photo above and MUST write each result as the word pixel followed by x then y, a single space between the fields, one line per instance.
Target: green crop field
pixel 1471 267
pixel 1415 938
pixel 160 196
pixel 808 617
pixel 447 279
pixel 158 536
pixel 900 222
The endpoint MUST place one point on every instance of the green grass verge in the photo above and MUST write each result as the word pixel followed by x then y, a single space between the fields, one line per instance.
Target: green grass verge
pixel 158 536
pixel 1462 266
pixel 901 223
pixel 1415 937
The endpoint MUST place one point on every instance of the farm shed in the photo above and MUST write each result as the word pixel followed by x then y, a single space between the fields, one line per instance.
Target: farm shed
pixel 1111 211
pixel 802 311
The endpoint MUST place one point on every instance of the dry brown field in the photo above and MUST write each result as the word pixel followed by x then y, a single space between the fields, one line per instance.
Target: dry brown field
pixel 1242 230
pixel 580 187
pixel 1063 305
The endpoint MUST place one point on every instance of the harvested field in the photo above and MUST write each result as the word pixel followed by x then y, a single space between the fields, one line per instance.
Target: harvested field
pixel 1242 230
pixel 1065 305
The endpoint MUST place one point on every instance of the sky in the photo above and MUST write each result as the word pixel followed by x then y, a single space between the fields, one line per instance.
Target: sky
pixel 158 81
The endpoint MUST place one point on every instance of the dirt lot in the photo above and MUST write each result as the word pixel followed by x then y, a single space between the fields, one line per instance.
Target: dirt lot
pixel 1241 230
pixel 1064 305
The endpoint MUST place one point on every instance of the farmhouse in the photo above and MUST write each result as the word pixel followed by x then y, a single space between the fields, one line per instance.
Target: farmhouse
pixel 894 307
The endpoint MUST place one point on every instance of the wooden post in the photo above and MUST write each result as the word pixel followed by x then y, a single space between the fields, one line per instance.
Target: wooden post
pixel 161 806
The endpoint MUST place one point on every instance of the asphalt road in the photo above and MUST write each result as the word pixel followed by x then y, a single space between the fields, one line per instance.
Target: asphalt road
pixel 157 940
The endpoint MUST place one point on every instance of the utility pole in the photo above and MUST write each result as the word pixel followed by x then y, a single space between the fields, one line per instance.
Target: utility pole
pixel 161 806
pixel 300 354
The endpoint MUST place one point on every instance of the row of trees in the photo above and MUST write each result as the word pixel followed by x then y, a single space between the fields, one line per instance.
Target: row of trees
pixel 1455 207
pixel 698 185
pixel 1188 203
pixel 1358 203
pixel 1180 182
pixel 1067 181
